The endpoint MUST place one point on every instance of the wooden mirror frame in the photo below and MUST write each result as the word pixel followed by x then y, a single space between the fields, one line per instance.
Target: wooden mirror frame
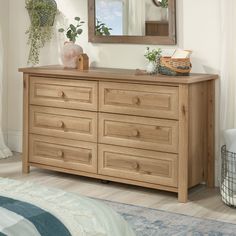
pixel 158 40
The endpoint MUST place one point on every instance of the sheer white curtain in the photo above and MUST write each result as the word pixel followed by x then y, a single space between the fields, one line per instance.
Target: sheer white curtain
pixel 228 64
pixel 136 17
pixel 4 150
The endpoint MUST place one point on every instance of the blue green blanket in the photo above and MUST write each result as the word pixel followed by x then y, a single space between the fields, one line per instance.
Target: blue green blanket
pixel 21 218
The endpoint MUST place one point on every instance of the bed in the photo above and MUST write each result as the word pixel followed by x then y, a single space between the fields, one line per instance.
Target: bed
pixel 30 210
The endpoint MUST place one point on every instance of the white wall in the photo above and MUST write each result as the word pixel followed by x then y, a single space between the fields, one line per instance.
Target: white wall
pixel 4 25
pixel 197 25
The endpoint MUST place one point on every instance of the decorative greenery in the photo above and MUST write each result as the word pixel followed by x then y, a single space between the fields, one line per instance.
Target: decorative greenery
pixel 153 55
pixel 42 15
pixel 163 3
pixel 102 29
pixel 73 31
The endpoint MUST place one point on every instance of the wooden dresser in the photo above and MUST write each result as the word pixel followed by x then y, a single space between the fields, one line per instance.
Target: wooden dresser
pixel 151 131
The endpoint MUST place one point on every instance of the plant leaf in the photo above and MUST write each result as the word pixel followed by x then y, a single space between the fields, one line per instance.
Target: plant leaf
pixel 73 28
pixel 79 31
pixel 77 18
pixel 69 34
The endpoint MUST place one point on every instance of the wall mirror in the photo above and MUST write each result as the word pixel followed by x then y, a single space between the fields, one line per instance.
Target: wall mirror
pixel 132 21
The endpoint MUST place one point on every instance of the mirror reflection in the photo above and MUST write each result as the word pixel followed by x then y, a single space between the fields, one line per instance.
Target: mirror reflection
pixel 131 17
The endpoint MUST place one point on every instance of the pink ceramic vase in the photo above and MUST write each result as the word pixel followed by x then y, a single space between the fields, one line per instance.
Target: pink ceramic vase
pixel 70 54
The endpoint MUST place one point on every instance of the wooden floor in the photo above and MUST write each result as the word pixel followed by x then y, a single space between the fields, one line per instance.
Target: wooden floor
pixel 203 202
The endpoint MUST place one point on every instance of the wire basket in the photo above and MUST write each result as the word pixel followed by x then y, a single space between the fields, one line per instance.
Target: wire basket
pixel 228 177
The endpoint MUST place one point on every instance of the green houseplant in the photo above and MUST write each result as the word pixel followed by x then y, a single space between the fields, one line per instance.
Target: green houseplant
pixel 153 57
pixel 161 3
pixel 102 29
pixel 164 3
pixel 73 31
pixel 42 15
pixel 71 51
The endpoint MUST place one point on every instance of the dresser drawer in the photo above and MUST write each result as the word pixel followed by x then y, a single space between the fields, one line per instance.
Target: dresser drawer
pixel 139 165
pixel 74 94
pixel 139 132
pixel 64 123
pixel 66 154
pixel 142 100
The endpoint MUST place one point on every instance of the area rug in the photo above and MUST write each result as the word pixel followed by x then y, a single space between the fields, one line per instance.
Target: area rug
pixel 151 222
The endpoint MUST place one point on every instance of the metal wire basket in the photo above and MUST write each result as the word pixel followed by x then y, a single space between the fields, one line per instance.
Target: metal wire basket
pixel 228 177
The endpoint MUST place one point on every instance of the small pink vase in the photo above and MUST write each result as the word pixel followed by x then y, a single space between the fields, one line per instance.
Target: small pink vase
pixel 70 54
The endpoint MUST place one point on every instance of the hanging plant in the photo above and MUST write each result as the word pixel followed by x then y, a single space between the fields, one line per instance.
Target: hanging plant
pixel 42 15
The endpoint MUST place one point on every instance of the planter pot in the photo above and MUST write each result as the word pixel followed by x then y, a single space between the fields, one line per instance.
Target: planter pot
pixel 44 15
pixel 70 54
pixel 151 67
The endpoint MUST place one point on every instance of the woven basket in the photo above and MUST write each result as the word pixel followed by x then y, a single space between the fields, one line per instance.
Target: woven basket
pixel 170 66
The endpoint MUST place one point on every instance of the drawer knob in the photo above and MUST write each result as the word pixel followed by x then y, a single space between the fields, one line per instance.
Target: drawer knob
pixel 61 94
pixel 137 166
pixel 135 133
pixel 136 100
pixel 60 153
pixel 61 124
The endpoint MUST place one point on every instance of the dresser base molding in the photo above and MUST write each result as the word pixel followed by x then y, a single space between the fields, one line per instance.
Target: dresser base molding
pixel 113 125
pixel 105 177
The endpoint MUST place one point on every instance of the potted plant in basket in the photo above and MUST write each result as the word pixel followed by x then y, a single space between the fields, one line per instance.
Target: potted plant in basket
pixel 153 58
pixel 42 15
pixel 71 51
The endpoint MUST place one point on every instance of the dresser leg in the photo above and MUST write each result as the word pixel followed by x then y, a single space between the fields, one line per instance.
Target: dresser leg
pixel 183 195
pixel 183 143
pixel 25 168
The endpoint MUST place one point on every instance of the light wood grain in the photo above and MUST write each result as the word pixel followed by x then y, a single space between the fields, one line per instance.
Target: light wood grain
pixel 136 164
pixel 161 137
pixel 183 143
pixel 138 132
pixel 142 100
pixel 115 75
pixel 197 133
pixel 70 124
pixel 211 134
pixel 63 153
pixel 25 163
pixel 64 93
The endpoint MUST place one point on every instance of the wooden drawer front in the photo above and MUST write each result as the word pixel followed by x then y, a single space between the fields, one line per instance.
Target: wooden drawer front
pixel 140 165
pixel 139 132
pixel 74 94
pixel 66 154
pixel 143 100
pixel 63 123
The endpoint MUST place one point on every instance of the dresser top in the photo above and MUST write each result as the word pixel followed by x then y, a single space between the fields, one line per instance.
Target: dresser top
pixel 116 75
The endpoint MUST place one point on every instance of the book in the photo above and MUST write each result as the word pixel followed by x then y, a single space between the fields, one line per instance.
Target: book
pixel 181 54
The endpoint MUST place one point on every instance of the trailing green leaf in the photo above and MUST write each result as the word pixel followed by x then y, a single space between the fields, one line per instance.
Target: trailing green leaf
pixel 42 14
